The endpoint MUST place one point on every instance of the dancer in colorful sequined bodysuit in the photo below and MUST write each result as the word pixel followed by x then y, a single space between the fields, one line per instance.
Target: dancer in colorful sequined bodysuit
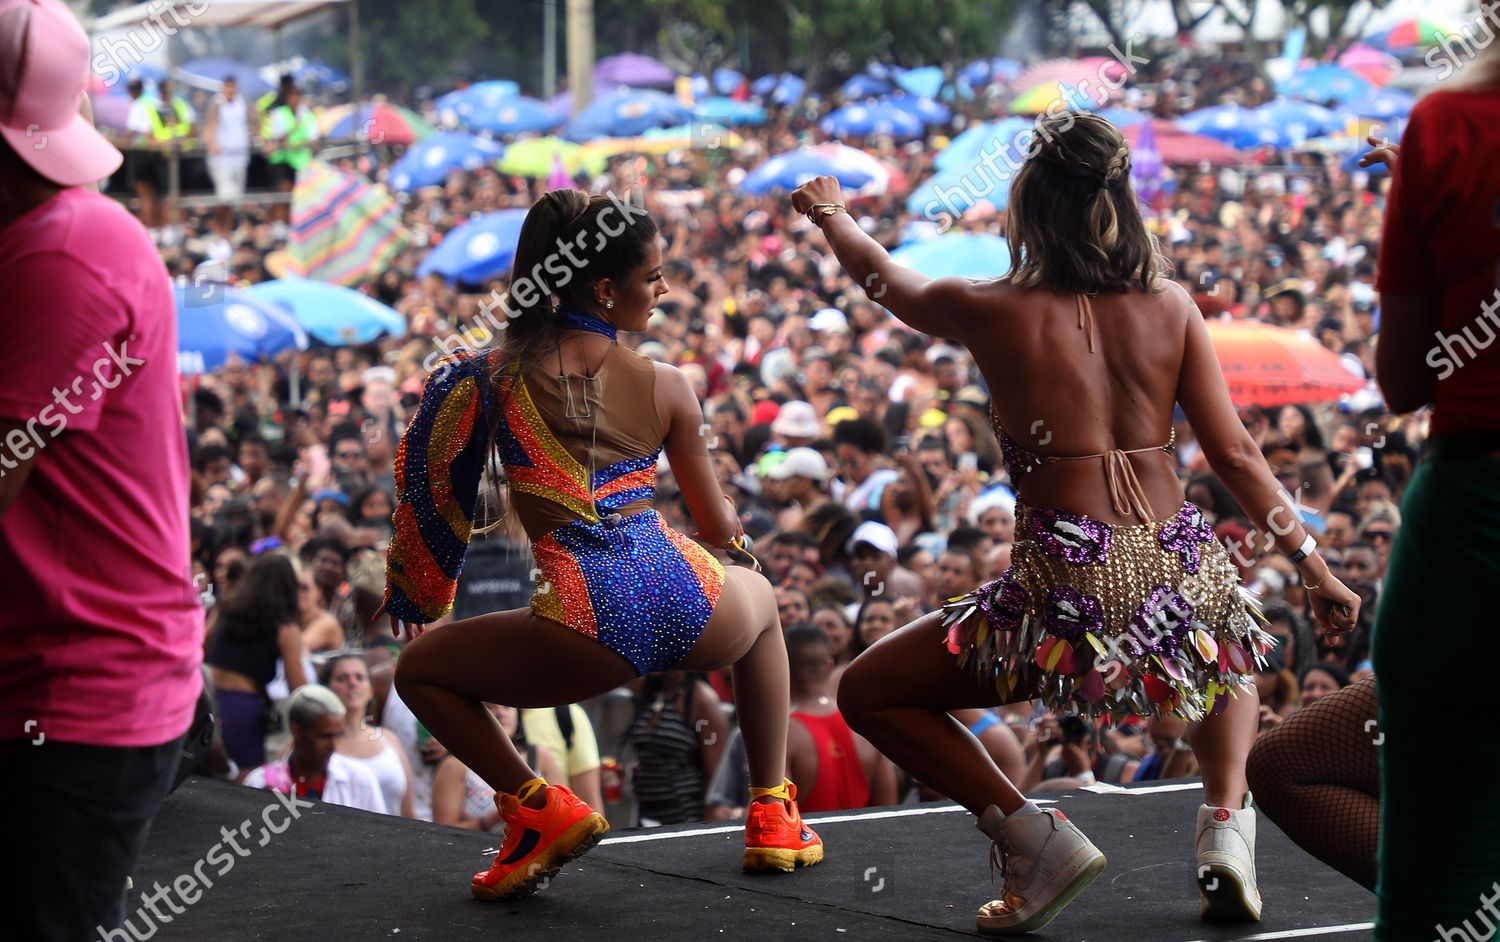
pixel 1119 600
pixel 578 422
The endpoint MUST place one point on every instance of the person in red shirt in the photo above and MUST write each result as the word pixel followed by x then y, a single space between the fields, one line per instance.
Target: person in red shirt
pixel 101 634
pixel 842 770
pixel 1439 283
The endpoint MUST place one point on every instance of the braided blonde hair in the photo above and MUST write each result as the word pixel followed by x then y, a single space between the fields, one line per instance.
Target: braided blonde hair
pixel 1073 224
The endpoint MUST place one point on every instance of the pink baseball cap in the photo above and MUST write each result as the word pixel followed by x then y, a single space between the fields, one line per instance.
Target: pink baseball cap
pixel 44 65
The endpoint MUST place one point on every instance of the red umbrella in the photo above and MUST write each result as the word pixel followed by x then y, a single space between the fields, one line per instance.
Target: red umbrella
pixel 1266 365
pixel 1179 147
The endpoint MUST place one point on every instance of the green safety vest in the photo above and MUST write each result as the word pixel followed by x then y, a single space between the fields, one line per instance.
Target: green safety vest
pixel 162 131
pixel 304 129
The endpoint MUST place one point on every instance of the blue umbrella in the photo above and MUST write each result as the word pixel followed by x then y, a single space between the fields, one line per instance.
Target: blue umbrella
pixel 1240 128
pixel 515 115
pixel 929 111
pixel 209 74
pixel 1325 83
pixel 993 137
pixel 790 170
pixel 628 113
pixel 864 86
pixel 429 162
pixel 1121 117
pixel 874 118
pixel 1387 104
pixel 455 106
pixel 958 255
pixel 727 80
pixel 985 71
pixel 925 82
pixel 954 191
pixel 478 250
pixel 214 320
pixel 727 111
pixel 783 89
pixel 1289 123
pixel 333 314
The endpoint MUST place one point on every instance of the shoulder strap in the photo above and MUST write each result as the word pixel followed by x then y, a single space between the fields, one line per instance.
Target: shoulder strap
pixel 565 723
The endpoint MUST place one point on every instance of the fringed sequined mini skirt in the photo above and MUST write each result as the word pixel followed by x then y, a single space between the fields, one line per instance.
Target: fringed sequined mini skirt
pixel 1096 618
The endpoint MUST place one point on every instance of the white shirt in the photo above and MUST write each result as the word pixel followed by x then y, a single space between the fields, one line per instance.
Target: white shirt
pixel 347 783
pixel 232 130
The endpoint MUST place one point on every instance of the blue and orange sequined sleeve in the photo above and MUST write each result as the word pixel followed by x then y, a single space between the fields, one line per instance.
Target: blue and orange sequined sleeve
pixel 438 467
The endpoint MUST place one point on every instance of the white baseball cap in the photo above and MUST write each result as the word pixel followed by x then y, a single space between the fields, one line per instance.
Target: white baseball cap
pixel 830 318
pixel 800 463
pixel 44 65
pixel 875 533
pixel 797 419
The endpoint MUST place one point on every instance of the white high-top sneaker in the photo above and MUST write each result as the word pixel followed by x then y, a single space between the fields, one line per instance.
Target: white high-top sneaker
pixel 1227 887
pixel 1045 862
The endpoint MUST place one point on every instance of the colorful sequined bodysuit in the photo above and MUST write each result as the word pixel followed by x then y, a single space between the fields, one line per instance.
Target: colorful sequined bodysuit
pixel 1095 618
pixel 610 567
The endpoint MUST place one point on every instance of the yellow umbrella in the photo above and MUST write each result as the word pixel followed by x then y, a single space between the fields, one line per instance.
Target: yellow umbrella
pixel 533 157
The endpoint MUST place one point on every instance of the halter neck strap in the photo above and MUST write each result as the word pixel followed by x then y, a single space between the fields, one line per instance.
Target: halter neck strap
pixel 583 320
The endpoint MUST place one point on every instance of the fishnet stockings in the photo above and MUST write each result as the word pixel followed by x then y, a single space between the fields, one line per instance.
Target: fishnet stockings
pixel 1317 775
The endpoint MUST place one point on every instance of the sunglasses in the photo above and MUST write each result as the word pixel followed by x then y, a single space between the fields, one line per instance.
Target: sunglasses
pixel 1379 535
pixel 349 455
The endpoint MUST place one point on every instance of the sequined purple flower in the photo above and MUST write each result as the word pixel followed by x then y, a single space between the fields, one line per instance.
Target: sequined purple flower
pixel 1183 534
pixel 1077 539
pixel 1160 624
pixel 1005 604
pixel 1070 614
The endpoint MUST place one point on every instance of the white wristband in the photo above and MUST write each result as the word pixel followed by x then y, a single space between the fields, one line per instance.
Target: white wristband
pixel 1305 550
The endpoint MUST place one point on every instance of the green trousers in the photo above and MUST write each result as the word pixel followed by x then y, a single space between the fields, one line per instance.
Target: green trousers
pixel 1435 639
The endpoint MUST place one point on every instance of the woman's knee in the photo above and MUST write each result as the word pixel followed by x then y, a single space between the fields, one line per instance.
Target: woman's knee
pixel 859 693
pixel 412 667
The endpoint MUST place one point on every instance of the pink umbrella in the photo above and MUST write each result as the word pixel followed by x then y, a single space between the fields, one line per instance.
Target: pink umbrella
pixel 1179 147
pixel 1370 63
pixel 1100 72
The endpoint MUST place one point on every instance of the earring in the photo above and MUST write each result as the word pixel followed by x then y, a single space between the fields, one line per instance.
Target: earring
pixel 609 304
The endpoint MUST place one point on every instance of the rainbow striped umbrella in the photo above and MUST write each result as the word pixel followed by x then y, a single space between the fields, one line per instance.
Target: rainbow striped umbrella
pixel 1045 97
pixel 344 230
pixel 378 121
pixel 1408 34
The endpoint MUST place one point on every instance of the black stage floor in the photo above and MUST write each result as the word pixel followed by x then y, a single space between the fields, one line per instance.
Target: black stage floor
pixel 909 873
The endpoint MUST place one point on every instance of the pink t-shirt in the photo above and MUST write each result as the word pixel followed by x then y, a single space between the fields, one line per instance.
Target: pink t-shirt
pixel 101 630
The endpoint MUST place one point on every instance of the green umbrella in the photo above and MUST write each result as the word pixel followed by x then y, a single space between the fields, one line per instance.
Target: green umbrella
pixel 534 158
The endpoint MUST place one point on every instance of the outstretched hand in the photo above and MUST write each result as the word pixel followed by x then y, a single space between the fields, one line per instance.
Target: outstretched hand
pixel 1385 152
pixel 817 190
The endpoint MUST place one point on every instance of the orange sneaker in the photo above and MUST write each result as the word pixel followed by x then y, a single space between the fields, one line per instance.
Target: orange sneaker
pixel 538 841
pixel 775 836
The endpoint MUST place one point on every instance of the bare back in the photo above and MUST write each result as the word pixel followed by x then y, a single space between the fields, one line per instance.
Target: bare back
pixel 1056 398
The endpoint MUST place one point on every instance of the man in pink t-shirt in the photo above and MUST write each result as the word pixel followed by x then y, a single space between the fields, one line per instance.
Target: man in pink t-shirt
pixel 101 630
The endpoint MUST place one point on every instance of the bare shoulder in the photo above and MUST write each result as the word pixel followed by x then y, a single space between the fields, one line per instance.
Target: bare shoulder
pixel 672 384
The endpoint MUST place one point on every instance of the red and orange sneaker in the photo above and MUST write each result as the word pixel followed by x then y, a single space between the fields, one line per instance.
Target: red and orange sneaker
pixel 775 836
pixel 538 841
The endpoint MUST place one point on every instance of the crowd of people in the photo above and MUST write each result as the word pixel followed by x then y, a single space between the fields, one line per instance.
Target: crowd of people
pixel 859 452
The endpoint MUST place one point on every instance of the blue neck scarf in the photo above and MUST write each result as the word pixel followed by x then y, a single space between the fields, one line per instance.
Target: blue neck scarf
pixel 582 320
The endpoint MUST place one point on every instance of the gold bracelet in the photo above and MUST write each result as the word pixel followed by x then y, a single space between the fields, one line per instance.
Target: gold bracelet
pixel 1313 586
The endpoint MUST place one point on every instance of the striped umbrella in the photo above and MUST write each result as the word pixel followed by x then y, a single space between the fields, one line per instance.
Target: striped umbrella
pixel 344 230
pixel 1056 96
pixel 1088 75
pixel 1409 34
pixel 379 121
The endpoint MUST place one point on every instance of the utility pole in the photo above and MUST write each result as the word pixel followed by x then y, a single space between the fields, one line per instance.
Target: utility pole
pixel 549 49
pixel 581 52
